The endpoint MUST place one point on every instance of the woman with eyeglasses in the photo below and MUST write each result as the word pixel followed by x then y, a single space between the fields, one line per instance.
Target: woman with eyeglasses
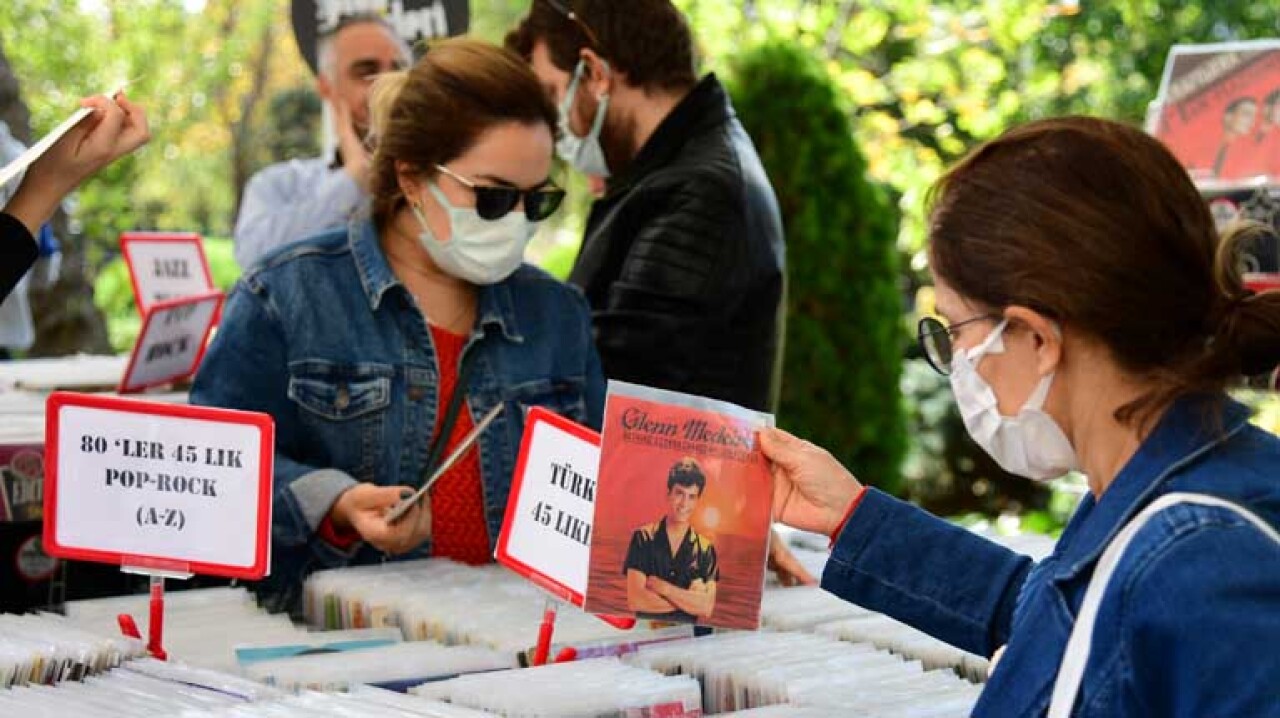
pixel 378 346
pixel 1091 321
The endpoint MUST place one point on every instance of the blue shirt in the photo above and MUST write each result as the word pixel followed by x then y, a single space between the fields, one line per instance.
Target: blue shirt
pixel 323 337
pixel 1190 624
pixel 291 201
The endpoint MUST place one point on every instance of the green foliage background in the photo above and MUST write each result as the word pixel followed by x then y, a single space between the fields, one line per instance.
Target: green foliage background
pixel 844 329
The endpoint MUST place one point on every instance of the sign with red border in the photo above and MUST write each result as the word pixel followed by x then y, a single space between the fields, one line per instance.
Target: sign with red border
pixel 172 342
pixel 158 486
pixel 546 534
pixel 165 266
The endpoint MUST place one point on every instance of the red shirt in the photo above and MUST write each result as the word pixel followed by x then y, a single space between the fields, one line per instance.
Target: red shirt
pixel 458 529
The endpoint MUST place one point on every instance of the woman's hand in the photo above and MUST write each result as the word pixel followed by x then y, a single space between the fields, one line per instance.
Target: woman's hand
pixel 114 128
pixel 362 508
pixel 811 490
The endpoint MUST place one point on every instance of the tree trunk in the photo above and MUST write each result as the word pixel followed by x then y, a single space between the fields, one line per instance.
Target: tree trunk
pixel 242 142
pixel 66 319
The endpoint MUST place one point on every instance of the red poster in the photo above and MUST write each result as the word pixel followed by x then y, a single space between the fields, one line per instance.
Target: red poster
pixel 1219 112
pixel 682 517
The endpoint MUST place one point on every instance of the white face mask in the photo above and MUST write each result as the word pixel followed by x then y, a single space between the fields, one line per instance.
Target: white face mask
pixel 478 250
pixel 1030 444
pixel 584 153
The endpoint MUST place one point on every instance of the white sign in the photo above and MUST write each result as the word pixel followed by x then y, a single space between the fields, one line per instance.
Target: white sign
pixel 546 536
pixel 163 267
pixel 172 342
pixel 178 488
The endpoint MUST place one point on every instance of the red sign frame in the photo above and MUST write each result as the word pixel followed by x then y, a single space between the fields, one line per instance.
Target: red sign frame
pixel 537 415
pixel 129 238
pixel 125 387
pixel 263 422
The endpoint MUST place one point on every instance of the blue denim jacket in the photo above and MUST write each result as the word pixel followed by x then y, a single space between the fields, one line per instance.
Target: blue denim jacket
pixel 1190 625
pixel 324 338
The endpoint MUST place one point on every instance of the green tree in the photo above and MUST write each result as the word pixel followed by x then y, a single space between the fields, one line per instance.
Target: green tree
pixel 844 334
pixel 200 70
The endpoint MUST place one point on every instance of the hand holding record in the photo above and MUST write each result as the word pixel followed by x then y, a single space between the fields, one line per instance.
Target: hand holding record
pixel 811 490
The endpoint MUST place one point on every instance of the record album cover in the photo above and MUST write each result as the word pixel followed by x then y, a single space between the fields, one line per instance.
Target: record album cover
pixel 682 516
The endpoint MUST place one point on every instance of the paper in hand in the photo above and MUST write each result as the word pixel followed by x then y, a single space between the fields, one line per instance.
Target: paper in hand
pixel 17 167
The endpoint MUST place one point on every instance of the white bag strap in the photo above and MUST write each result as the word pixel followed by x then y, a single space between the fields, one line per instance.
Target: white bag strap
pixel 1071 672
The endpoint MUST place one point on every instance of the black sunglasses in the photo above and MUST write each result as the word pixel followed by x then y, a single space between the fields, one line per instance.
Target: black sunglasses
pixel 935 340
pixel 497 202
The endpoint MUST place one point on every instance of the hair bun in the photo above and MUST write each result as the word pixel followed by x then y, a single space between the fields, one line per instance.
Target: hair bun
pixel 1248 335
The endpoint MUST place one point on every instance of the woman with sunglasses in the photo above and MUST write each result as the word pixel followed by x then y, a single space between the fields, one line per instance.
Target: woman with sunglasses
pixel 1092 321
pixel 378 346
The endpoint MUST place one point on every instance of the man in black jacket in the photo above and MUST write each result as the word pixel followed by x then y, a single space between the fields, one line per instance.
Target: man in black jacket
pixel 683 260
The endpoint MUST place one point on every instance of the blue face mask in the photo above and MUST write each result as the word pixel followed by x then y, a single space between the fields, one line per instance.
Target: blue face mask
pixel 584 153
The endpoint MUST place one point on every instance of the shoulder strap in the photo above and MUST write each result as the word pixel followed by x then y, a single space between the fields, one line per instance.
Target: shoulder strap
pixel 1071 672
pixel 436 453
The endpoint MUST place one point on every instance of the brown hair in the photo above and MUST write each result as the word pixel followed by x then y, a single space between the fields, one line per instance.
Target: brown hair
pixel 1095 224
pixel 649 41
pixel 434 112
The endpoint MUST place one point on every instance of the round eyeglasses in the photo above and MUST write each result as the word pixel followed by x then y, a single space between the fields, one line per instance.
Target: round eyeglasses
pixel 936 340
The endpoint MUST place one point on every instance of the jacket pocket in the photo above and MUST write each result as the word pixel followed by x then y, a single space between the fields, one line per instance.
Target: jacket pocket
pixel 339 392
pixel 343 410
pixel 564 396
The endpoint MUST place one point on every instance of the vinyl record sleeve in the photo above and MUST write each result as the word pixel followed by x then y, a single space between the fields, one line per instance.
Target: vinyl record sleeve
pixel 683 507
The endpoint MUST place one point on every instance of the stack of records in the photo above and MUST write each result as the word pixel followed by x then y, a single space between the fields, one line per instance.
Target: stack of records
pixel 602 688
pixel 454 604
pixel 43 650
pixel 811 609
pixel 147 688
pixel 803 607
pixel 890 635
pixel 752 670
pixel 202 627
pixel 396 666
pixel 142 687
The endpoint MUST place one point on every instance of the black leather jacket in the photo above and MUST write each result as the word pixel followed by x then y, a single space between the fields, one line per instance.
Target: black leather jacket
pixel 683 261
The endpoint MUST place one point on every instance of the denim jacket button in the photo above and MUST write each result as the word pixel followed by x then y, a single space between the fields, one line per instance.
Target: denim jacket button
pixel 416 393
pixel 344 398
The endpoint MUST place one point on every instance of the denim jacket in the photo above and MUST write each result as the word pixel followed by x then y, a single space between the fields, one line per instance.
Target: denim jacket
pixel 324 338
pixel 1189 626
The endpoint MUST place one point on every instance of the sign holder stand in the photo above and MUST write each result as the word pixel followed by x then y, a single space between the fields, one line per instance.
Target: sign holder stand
pixel 155 623
pixel 92 437
pixel 545 632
